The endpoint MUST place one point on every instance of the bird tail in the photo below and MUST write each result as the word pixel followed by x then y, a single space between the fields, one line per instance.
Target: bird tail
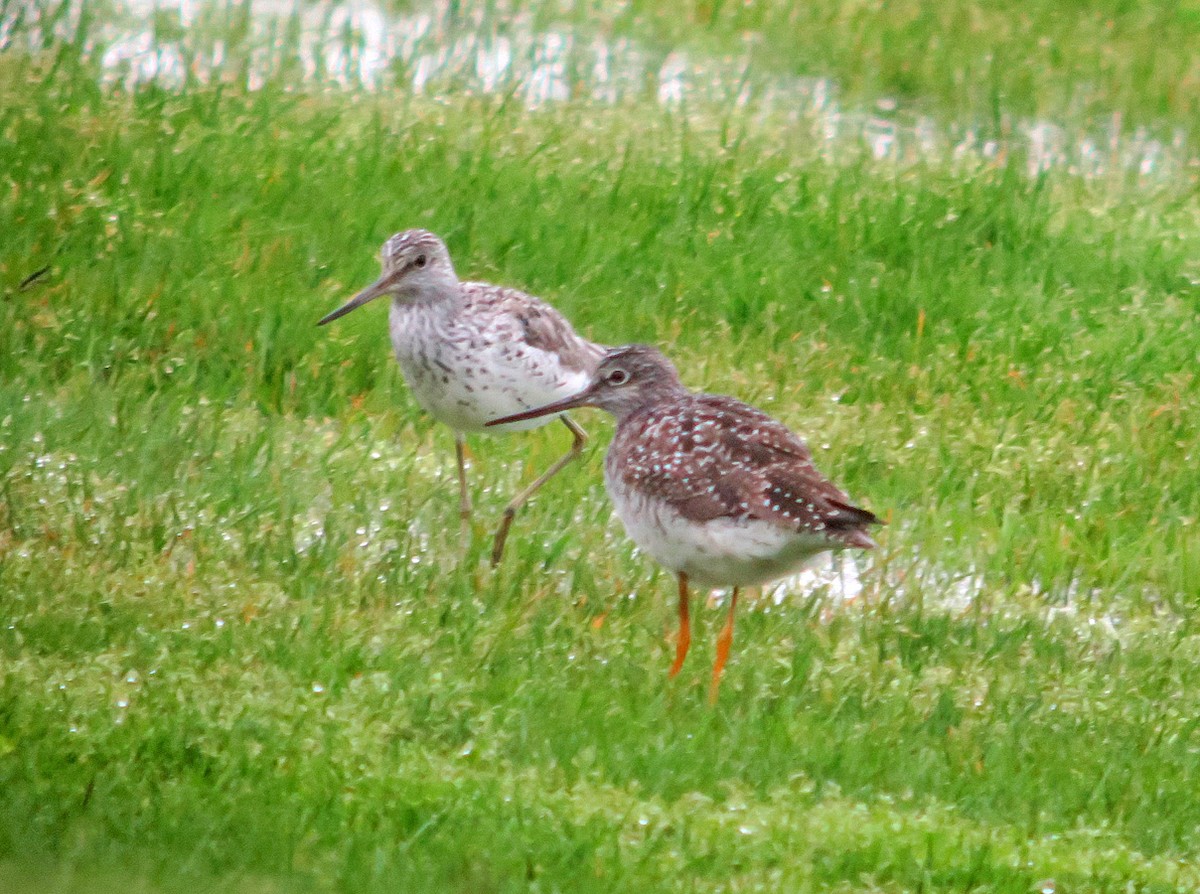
pixel 849 522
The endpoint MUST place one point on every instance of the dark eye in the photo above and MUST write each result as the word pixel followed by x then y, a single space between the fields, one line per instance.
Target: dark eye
pixel 618 377
pixel 420 261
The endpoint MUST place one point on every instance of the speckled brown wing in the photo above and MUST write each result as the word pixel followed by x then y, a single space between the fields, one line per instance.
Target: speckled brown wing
pixel 713 457
pixel 541 326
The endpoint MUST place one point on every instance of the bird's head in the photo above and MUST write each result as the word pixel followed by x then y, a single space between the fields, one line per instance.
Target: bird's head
pixel 416 267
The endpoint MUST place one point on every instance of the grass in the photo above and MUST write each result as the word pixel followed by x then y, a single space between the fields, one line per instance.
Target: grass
pixel 972 61
pixel 1096 63
pixel 244 648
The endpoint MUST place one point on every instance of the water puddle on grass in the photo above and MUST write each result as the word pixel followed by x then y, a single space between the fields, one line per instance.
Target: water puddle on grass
pixel 839 580
pixel 386 534
pixel 440 49
pixel 846 577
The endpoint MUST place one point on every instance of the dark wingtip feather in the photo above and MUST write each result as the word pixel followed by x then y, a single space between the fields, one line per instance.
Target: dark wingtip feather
pixel 849 516
pixel 849 522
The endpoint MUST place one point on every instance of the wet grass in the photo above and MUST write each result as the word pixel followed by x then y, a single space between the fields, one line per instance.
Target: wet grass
pixel 244 648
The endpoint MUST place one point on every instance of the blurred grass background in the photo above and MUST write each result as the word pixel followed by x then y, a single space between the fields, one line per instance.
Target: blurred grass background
pixel 243 648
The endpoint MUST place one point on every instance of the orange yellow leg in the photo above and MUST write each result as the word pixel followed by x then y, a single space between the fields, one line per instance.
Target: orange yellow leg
pixel 685 627
pixel 724 641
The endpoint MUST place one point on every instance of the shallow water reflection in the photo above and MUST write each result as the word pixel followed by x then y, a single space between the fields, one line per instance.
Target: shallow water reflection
pixel 441 49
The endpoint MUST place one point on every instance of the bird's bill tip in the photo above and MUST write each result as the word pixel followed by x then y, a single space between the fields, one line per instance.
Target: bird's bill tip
pixel 558 406
pixel 329 318
pixel 370 293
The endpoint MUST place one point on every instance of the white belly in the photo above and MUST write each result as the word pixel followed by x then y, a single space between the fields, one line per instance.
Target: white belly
pixel 466 399
pixel 718 553
pixel 467 380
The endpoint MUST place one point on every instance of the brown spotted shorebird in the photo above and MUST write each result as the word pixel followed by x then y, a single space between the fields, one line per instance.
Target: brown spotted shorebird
pixel 472 351
pixel 713 489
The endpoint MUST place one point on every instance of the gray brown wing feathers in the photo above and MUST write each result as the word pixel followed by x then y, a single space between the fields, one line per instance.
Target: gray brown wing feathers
pixel 541 326
pixel 720 458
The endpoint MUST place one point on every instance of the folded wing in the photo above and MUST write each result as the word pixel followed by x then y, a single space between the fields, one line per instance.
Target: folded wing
pixel 729 460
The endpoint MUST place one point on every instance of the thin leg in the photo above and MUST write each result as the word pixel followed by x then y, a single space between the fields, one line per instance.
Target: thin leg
pixel 724 641
pixel 464 495
pixel 685 627
pixel 579 439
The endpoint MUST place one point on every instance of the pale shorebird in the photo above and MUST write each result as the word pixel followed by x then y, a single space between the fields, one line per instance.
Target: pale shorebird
pixel 472 351
pixel 711 488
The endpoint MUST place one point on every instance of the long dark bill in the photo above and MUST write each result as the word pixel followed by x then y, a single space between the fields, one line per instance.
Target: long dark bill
pixel 567 403
pixel 370 293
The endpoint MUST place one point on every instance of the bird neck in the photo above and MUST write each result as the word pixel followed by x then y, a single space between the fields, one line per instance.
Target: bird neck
pixel 443 294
